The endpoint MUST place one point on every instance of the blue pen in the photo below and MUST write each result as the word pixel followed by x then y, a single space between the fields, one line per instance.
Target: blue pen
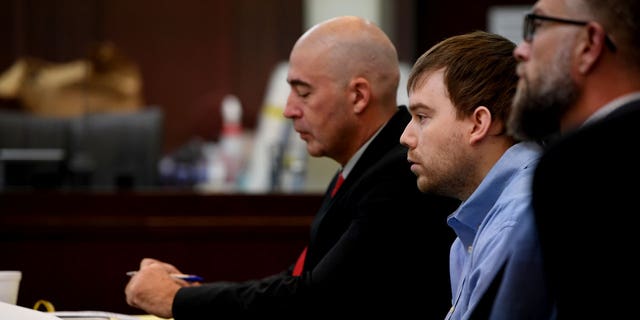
pixel 185 277
pixel 188 277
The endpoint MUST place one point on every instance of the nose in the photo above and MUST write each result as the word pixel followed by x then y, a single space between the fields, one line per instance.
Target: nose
pixel 521 52
pixel 407 138
pixel 290 109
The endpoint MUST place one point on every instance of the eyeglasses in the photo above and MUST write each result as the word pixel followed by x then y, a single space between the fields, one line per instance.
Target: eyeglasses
pixel 530 25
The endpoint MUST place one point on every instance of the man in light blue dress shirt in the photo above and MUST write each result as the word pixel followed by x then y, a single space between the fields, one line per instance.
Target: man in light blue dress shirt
pixel 460 94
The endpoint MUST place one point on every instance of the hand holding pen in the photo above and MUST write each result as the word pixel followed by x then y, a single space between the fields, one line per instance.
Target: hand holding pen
pixel 168 268
pixel 154 286
pixel 185 277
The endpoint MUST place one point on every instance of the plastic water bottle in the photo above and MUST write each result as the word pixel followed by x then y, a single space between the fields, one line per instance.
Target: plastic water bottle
pixel 232 140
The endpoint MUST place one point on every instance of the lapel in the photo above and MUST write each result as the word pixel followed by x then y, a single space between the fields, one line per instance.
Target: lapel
pixel 324 207
pixel 387 139
pixel 624 110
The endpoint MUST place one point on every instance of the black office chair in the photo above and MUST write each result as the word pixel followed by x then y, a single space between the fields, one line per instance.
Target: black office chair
pixel 117 150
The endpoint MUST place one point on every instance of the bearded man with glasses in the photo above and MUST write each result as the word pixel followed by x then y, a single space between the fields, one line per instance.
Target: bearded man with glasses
pixel 579 92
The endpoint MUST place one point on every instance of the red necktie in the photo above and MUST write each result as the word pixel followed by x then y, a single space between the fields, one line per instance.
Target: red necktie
pixel 337 185
pixel 297 269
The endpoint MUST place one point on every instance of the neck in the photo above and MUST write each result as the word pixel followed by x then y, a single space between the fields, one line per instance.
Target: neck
pixel 600 87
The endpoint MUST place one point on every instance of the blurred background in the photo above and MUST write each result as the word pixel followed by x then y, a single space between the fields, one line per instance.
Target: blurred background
pixel 118 94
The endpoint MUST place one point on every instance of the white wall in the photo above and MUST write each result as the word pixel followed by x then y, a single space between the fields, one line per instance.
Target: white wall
pixel 315 11
pixel 507 21
pixel 379 12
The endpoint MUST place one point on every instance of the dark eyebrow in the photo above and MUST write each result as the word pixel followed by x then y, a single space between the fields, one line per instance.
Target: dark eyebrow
pixel 418 106
pixel 297 82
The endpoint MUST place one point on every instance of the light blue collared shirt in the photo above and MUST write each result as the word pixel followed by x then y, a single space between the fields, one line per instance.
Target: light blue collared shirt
pixel 484 224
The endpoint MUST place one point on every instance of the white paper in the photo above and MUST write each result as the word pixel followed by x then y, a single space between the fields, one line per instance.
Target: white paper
pixel 93 315
pixel 14 312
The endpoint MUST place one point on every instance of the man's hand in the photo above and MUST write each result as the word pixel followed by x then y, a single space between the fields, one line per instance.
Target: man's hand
pixel 152 288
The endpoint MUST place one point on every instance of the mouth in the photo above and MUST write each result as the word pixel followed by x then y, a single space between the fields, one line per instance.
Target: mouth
pixel 413 166
pixel 303 135
pixel 520 70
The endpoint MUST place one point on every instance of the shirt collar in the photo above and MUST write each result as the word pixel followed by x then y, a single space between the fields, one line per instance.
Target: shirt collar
pixel 612 105
pixel 466 220
pixel 354 159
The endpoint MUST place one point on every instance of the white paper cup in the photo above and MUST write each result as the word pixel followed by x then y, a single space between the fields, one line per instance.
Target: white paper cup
pixel 9 285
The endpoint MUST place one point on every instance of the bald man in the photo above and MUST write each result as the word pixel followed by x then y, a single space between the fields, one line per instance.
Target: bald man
pixel 362 255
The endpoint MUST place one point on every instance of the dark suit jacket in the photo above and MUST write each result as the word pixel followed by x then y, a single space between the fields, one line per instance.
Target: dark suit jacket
pixel 585 194
pixel 379 246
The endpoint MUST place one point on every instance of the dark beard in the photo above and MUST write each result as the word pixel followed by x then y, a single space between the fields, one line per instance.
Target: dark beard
pixel 536 115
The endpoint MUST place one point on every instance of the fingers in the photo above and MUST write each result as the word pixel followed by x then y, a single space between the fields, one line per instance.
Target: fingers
pixel 148 261
pixel 130 292
pixel 152 289
pixel 166 266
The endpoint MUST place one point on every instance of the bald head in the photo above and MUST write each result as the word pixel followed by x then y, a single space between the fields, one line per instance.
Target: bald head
pixel 347 47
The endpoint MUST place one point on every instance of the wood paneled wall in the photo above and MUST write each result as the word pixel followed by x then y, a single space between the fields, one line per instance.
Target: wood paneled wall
pixel 75 248
pixel 437 20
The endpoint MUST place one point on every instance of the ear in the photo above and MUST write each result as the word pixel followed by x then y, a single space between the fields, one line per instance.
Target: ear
pixel 360 94
pixel 592 46
pixel 482 123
